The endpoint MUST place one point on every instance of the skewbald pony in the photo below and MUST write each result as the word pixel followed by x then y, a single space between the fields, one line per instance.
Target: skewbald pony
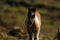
pixel 33 23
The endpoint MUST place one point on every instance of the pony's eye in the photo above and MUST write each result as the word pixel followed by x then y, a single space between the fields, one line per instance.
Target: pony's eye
pixel 33 16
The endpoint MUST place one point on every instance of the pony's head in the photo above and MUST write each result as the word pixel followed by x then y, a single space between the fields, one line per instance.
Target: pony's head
pixel 31 14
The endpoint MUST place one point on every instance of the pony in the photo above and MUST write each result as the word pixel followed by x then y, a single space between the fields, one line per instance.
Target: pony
pixel 33 23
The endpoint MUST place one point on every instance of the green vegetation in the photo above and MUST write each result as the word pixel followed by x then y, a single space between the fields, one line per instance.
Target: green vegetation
pixel 11 16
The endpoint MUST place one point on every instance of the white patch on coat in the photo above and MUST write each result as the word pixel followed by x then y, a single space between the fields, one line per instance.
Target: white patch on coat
pixel 37 19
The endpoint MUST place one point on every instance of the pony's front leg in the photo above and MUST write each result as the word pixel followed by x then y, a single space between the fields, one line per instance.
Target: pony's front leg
pixel 30 34
pixel 36 34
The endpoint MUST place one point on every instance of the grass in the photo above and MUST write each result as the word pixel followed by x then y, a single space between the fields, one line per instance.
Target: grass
pixel 48 30
pixel 10 15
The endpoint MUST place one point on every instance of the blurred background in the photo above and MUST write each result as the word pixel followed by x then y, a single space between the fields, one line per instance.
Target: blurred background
pixel 14 12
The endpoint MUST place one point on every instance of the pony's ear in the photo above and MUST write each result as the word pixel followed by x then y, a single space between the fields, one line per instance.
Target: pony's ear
pixel 32 9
